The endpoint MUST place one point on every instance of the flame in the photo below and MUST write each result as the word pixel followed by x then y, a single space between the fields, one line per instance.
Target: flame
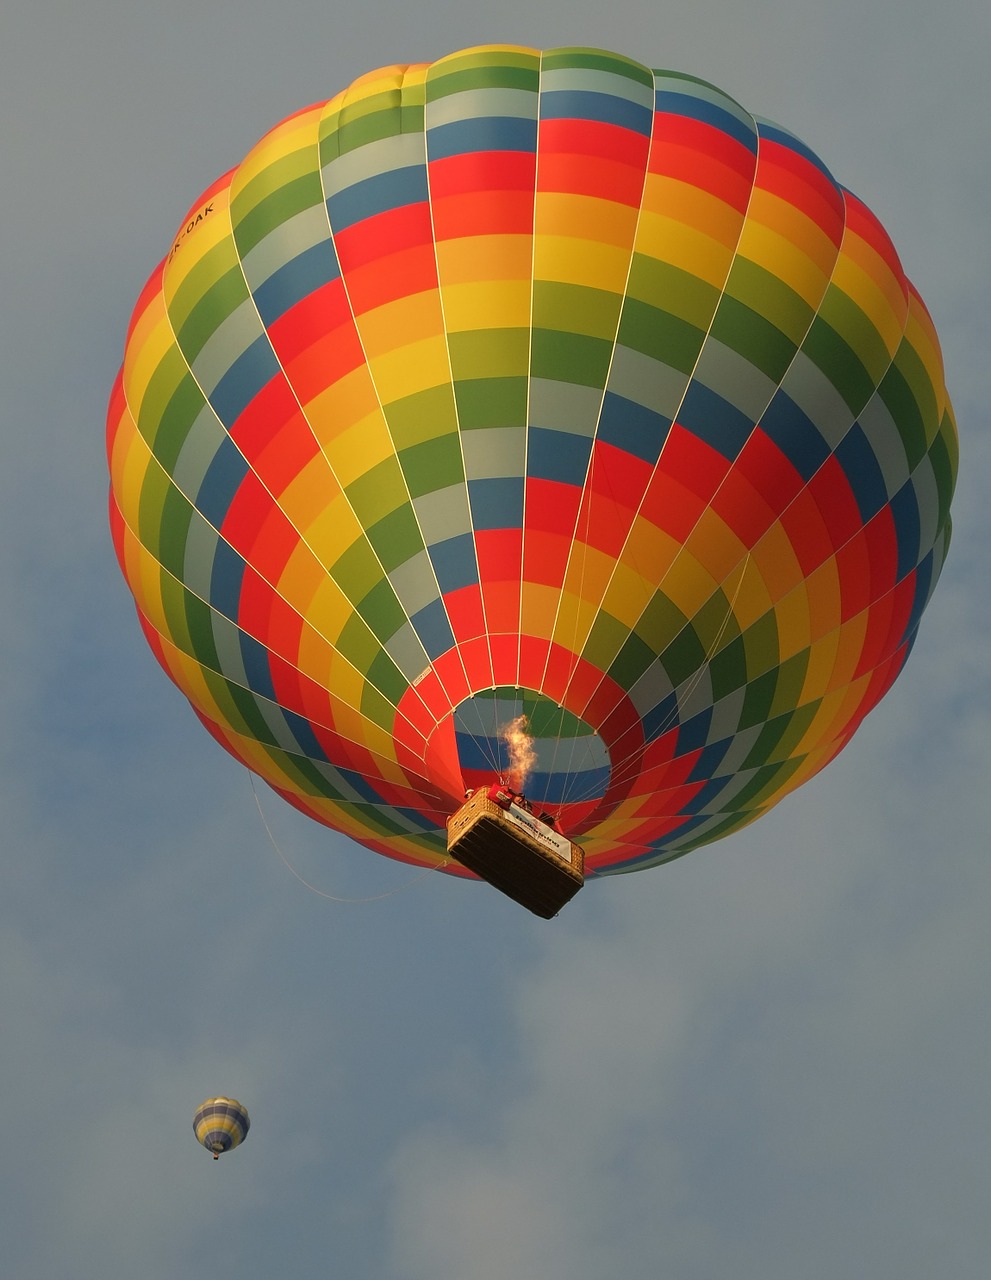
pixel 522 756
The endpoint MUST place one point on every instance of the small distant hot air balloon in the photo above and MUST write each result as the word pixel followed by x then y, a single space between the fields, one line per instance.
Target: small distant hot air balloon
pixel 221 1124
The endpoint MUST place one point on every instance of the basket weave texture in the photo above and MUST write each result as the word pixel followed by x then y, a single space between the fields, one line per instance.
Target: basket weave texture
pixel 517 854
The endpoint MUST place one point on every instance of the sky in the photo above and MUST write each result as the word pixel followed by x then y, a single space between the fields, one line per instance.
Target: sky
pixel 767 1059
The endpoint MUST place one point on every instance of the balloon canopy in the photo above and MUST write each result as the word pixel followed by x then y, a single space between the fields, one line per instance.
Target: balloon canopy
pixel 220 1125
pixel 537 385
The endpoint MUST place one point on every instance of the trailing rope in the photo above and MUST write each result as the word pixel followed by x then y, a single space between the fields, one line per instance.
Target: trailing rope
pixel 377 897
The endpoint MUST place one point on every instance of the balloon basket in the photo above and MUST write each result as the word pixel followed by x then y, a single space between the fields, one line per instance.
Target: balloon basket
pixel 516 853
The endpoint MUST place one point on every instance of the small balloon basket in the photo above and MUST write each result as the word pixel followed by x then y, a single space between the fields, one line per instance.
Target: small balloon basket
pixel 496 835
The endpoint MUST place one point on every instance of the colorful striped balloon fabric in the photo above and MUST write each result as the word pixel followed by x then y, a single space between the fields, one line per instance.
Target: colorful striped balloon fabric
pixel 220 1125
pixel 537 384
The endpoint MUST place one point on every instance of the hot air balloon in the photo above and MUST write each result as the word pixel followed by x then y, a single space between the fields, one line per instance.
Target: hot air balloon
pixel 220 1125
pixel 533 388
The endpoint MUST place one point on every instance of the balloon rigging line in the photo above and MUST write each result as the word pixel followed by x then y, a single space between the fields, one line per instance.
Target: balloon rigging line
pixel 588 486
pixel 589 790
pixel 570 773
pixel 696 677
pixel 589 491
pixel 693 683
pixel 586 793
pixel 483 740
pixel 377 897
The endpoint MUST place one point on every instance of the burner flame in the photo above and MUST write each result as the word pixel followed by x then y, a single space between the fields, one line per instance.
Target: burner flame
pixel 522 756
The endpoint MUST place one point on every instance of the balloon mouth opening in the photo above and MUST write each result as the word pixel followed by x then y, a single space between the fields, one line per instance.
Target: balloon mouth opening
pixel 535 745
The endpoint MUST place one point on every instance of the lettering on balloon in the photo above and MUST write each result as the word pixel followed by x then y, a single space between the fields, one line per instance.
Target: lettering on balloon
pixel 199 217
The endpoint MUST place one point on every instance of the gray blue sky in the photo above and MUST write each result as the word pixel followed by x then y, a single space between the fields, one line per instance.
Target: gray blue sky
pixel 767 1060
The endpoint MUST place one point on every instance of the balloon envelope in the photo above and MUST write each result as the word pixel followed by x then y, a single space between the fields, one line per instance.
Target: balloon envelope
pixel 220 1125
pixel 538 384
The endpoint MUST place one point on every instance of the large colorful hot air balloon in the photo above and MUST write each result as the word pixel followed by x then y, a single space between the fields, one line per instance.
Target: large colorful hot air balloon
pixel 220 1125
pixel 543 385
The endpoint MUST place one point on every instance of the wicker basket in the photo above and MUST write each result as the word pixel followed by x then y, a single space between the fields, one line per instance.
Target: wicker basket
pixel 515 852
